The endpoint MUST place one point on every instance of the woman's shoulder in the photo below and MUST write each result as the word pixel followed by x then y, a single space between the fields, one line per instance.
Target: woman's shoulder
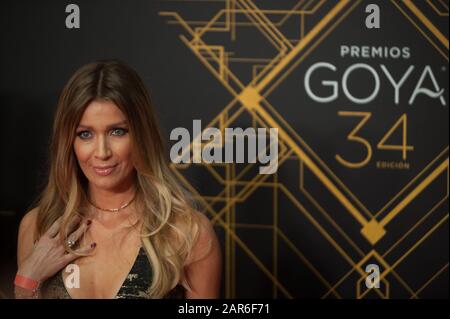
pixel 203 268
pixel 28 223
pixel 206 228
pixel 193 217
pixel 206 238
pixel 27 231
pixel 201 219
pixel 30 218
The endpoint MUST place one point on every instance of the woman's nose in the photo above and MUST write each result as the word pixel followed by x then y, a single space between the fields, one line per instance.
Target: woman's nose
pixel 102 149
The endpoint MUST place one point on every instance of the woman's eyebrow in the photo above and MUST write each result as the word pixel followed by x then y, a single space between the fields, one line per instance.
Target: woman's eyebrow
pixel 109 126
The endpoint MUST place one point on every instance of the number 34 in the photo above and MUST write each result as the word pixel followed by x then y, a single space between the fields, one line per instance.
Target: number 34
pixel 353 137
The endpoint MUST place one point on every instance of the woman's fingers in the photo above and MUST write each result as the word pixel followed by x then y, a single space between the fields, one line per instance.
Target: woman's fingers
pixel 54 228
pixel 48 255
pixel 68 258
pixel 86 249
pixel 79 232
pixel 73 223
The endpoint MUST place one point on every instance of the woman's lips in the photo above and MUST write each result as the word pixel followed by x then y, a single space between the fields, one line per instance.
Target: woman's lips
pixel 104 171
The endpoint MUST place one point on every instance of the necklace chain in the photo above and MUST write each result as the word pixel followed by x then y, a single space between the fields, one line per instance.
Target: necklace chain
pixel 113 210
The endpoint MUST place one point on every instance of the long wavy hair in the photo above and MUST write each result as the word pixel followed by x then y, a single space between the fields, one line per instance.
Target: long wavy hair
pixel 170 225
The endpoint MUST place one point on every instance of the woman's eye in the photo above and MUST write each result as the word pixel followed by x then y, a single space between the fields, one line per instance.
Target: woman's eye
pixel 84 135
pixel 119 131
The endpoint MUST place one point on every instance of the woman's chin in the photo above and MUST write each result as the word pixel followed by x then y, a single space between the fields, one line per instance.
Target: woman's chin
pixel 105 184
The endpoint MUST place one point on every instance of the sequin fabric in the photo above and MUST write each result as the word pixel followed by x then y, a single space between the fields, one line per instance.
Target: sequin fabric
pixel 135 286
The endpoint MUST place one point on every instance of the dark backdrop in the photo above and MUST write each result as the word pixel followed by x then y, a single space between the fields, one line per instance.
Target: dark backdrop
pixel 295 233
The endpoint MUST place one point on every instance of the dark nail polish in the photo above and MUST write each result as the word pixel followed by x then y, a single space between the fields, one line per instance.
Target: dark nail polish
pixel 89 222
pixel 93 245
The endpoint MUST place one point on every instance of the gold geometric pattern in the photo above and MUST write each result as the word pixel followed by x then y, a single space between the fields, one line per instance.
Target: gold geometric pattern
pixel 238 183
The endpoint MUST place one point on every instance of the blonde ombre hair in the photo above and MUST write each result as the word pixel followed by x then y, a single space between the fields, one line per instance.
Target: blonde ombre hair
pixel 170 224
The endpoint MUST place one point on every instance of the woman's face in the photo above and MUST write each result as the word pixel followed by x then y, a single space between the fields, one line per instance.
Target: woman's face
pixel 103 148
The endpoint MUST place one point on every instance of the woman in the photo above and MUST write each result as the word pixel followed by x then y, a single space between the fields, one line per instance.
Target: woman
pixel 113 221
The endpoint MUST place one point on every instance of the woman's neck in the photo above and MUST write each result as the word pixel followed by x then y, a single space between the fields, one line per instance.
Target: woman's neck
pixel 109 199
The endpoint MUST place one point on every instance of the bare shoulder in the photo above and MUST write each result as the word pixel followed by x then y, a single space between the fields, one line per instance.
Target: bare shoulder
pixel 206 229
pixel 29 219
pixel 203 221
pixel 27 231
pixel 206 242
pixel 204 271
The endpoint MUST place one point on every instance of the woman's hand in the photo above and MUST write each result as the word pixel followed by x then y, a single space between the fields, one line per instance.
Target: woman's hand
pixel 49 255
